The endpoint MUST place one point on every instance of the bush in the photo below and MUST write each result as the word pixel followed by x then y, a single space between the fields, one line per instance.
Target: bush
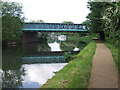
pixel 68 56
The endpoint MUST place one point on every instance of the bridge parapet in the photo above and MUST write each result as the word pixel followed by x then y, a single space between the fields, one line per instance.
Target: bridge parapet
pixel 54 27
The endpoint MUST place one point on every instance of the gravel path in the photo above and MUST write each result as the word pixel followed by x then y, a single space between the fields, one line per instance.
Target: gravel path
pixel 104 71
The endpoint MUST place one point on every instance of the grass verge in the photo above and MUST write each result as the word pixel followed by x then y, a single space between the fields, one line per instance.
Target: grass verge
pixel 76 73
pixel 114 51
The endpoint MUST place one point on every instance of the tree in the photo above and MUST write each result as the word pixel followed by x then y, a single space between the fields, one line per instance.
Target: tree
pixel 87 22
pixel 95 16
pixel 111 18
pixel 105 18
pixel 12 21
pixel 37 21
pixel 67 22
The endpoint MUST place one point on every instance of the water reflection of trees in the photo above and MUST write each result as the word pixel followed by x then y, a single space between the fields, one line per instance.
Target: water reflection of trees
pixel 11 58
pixel 12 78
pixel 71 45
pixel 43 47
pixel 67 46
pixel 11 66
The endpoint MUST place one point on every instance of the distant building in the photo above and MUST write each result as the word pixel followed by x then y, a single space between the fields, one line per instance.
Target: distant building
pixel 62 37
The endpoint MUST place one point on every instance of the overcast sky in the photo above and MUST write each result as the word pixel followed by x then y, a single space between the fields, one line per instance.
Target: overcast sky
pixel 55 11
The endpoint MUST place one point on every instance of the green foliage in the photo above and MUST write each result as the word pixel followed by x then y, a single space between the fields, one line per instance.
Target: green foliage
pixel 114 50
pixel 37 21
pixel 111 18
pixel 87 23
pixel 67 46
pixel 67 22
pixel 50 40
pixel 74 37
pixel 11 28
pixel 12 9
pixel 68 56
pixel 42 36
pixel 76 73
pixel 95 17
pixel 11 21
pixel 87 39
pixel 43 47
pixel 105 16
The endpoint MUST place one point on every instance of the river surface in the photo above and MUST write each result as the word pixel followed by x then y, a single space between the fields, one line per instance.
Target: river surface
pixel 31 65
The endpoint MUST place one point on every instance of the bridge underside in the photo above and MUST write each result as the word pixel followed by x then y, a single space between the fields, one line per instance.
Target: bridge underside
pixel 30 35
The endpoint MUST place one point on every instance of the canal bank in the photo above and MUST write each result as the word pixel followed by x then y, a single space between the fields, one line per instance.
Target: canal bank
pixel 76 73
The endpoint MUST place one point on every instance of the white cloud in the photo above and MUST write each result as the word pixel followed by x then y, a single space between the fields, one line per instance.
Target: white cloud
pixel 40 73
pixel 55 10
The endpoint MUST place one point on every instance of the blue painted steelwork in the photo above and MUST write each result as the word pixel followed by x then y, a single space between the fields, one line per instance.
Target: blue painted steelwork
pixel 47 57
pixel 54 30
pixel 54 27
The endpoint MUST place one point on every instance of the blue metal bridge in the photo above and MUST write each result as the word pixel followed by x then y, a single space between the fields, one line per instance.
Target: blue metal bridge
pixel 62 27
pixel 30 30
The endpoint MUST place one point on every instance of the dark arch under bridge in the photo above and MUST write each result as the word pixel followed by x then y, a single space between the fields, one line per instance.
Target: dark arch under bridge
pixel 30 29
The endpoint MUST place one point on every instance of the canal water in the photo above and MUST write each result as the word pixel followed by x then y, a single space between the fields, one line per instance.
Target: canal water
pixel 31 65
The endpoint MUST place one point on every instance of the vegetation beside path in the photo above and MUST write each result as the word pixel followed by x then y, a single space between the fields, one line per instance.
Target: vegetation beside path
pixel 114 51
pixel 76 73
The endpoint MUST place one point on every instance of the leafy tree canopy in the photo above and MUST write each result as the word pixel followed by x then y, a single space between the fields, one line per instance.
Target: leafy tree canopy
pixel 105 17
pixel 67 22
pixel 37 21
pixel 12 21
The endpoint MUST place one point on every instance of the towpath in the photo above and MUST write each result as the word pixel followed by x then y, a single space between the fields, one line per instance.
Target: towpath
pixel 104 71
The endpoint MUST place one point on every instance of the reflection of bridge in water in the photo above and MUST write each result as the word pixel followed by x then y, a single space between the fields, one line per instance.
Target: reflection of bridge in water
pixel 46 57
pixel 47 53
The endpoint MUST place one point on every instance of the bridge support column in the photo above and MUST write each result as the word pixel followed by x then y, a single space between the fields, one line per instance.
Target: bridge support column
pixel 29 37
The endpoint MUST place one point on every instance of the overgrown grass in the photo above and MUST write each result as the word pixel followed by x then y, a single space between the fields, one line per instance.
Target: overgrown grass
pixel 87 39
pixel 74 37
pixel 114 51
pixel 76 73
